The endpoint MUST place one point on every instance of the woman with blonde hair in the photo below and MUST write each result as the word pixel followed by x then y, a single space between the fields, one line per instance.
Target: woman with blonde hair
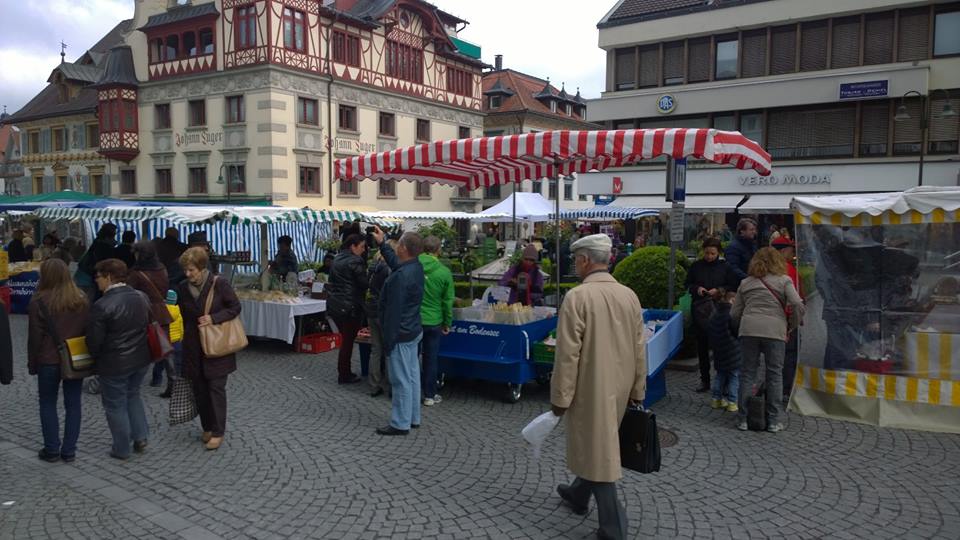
pixel 760 310
pixel 207 375
pixel 58 307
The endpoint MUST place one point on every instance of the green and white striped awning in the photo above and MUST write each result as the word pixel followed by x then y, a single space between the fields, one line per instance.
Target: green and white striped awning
pixel 209 214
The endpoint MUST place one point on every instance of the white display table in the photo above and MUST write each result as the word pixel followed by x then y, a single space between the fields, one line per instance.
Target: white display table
pixel 276 320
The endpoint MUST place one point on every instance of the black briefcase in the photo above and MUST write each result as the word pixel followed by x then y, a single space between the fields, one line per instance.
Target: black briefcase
pixel 757 410
pixel 639 441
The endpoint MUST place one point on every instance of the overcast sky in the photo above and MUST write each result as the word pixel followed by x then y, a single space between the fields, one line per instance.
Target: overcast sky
pixel 545 38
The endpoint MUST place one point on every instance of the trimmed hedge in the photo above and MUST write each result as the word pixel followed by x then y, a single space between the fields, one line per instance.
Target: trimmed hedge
pixel 646 272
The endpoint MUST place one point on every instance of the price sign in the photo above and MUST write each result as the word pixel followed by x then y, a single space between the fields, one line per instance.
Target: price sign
pixel 676 224
pixel 677 180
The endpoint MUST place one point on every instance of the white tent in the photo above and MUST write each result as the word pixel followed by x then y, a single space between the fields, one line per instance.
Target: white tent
pixel 924 200
pixel 530 208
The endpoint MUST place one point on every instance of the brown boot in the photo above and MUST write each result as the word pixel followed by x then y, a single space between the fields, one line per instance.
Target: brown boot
pixel 214 443
pixel 205 438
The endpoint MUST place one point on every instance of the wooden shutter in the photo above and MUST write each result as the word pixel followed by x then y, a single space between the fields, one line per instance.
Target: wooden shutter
pixel 783 55
pixel 754 52
pixel 45 141
pixel 813 46
pixel 626 69
pixel 913 34
pixel 846 43
pixel 673 62
pixel 812 133
pixel 878 39
pixel 874 128
pixel 649 58
pixel 698 60
pixel 943 130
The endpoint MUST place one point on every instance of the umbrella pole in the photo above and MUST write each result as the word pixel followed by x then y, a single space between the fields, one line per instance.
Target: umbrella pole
pixel 514 197
pixel 556 179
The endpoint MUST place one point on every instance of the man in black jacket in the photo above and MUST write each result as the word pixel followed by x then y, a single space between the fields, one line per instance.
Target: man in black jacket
pixel 379 383
pixel 117 339
pixel 742 248
pixel 16 252
pixel 400 320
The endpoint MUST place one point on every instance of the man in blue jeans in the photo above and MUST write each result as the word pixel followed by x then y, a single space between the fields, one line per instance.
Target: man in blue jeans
pixel 401 329
pixel 117 339
pixel 436 314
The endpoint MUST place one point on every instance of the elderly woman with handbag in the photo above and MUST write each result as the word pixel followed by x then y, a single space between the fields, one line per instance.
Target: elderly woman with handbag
pixel 765 322
pixel 58 311
pixel 212 334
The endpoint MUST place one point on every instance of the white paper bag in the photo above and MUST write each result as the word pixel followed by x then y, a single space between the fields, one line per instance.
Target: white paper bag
pixel 538 429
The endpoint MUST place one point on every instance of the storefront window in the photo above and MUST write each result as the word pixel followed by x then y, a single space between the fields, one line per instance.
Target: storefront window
pixel 725 122
pixel 751 126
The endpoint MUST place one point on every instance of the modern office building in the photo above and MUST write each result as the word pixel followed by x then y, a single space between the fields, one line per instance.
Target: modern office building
pixel 254 99
pixel 848 96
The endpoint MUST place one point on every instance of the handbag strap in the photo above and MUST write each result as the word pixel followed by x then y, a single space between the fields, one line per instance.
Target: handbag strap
pixel 152 286
pixel 209 303
pixel 783 304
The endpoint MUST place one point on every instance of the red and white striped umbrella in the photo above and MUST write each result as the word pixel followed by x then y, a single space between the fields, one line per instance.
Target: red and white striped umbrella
pixel 488 161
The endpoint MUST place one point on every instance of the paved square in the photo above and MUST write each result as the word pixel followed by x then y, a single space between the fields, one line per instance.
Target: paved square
pixel 301 460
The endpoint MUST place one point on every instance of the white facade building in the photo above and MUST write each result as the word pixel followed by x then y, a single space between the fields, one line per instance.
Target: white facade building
pixel 818 83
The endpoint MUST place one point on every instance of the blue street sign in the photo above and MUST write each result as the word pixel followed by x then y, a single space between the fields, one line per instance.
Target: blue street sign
pixel 860 90
pixel 677 180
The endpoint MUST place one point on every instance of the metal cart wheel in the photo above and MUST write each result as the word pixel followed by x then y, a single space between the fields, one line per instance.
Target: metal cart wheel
pixel 441 381
pixel 513 392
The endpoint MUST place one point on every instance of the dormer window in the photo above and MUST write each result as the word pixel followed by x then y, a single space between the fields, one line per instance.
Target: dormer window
pixel 568 109
pixel 496 101
pixel 553 106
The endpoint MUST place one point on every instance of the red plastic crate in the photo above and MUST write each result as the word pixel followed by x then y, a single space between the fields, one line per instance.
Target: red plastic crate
pixel 879 367
pixel 318 343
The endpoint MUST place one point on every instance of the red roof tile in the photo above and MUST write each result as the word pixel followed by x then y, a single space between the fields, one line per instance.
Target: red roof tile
pixel 524 88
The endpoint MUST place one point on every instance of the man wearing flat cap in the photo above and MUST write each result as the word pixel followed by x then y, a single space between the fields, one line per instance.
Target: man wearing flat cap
pixel 600 366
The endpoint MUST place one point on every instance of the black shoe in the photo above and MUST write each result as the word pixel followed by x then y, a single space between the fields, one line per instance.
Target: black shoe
pixel 391 431
pixel 704 387
pixel 118 456
pixel 167 393
pixel 48 457
pixel 68 459
pixel 415 426
pixel 139 446
pixel 579 509
pixel 353 378
pixel 377 393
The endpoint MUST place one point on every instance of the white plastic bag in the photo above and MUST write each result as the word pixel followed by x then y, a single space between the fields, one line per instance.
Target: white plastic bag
pixel 538 429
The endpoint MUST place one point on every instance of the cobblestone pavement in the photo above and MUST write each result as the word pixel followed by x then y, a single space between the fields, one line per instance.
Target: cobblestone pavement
pixel 301 460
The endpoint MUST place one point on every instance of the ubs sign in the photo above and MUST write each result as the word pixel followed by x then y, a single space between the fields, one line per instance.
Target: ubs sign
pixel 786 180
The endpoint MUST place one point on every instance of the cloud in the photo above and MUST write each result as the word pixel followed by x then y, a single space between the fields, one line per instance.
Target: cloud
pixel 555 39
pixel 33 30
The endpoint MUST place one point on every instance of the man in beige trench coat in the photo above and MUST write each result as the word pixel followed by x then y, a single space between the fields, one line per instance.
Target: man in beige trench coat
pixel 600 365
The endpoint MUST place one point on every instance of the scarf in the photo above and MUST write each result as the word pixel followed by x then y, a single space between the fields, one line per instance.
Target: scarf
pixel 194 290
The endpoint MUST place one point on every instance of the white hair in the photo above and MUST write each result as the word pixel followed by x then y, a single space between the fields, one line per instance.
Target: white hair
pixel 595 256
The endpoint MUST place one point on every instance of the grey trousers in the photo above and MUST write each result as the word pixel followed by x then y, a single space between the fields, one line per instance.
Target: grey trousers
pixel 378 359
pixel 773 352
pixel 610 513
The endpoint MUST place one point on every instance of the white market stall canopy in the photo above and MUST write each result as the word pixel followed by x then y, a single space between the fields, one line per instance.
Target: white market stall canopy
pixel 489 161
pixel 530 207
pixel 926 204
pixel 402 216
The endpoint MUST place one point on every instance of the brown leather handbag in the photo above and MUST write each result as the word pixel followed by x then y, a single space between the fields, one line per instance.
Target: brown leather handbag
pixel 221 339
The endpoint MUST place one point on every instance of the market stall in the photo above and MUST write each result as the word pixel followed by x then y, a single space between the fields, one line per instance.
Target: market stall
pixel 489 161
pixel 276 318
pixel 881 340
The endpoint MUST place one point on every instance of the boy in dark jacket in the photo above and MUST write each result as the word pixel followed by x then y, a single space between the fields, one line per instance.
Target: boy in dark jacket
pixel 726 353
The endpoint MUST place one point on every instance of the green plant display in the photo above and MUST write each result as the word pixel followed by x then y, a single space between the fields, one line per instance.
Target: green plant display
pixel 443 231
pixel 646 272
pixel 807 275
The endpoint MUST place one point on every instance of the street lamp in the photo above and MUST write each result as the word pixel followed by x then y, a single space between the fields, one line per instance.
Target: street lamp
pixel 233 179
pixel 902 116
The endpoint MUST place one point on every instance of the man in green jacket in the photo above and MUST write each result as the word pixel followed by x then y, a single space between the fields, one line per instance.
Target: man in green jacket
pixel 436 314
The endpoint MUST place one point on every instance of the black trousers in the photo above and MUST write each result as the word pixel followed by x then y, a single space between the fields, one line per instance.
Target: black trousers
pixel 610 513
pixel 211 396
pixel 703 351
